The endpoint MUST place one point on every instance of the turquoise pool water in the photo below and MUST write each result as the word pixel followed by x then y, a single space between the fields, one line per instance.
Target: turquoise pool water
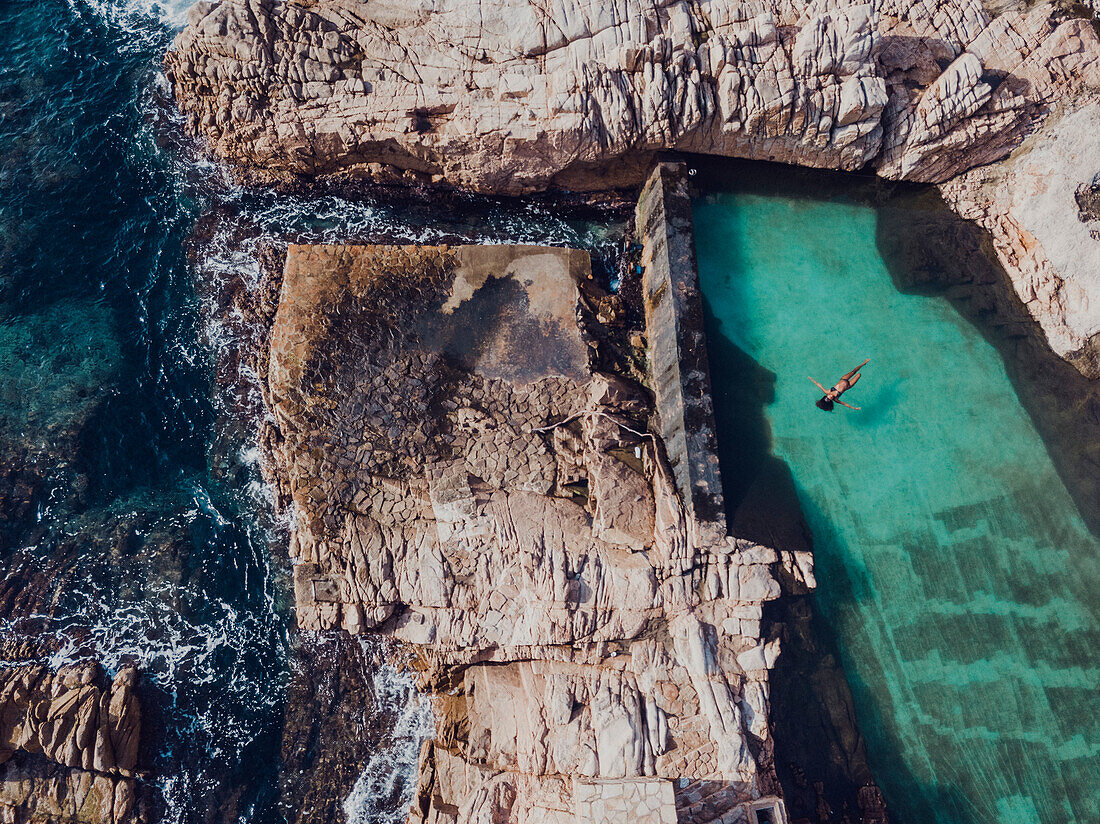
pixel 956 573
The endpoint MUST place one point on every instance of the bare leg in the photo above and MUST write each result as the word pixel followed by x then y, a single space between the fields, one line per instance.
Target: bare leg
pixel 857 369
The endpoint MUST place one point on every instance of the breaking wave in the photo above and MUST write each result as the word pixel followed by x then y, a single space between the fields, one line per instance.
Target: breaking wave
pixel 123 374
pixel 390 774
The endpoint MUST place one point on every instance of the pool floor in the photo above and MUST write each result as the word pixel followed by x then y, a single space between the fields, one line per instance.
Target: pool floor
pixel 955 572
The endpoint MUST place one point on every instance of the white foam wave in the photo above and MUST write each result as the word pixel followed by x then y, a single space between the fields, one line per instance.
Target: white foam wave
pixel 133 15
pixel 169 647
pixel 390 774
pixel 208 661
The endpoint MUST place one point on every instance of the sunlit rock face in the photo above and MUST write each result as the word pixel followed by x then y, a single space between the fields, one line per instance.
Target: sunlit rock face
pixel 1040 208
pixel 519 529
pixel 512 97
pixel 68 744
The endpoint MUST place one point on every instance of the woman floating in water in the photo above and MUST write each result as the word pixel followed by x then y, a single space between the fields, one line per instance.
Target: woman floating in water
pixel 842 386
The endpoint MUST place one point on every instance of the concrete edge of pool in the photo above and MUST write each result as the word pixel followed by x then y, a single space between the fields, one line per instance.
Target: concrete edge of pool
pixel 680 378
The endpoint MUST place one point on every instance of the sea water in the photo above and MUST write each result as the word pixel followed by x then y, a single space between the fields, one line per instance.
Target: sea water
pixel 116 239
pixel 955 571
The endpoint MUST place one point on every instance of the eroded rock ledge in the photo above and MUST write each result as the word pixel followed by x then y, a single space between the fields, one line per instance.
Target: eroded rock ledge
pixel 512 97
pixel 68 745
pixel 467 479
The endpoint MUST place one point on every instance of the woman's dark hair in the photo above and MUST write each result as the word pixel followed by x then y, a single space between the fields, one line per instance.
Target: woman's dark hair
pixel 825 404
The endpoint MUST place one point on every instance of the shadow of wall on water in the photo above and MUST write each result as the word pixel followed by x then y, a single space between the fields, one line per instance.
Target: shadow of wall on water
pixel 761 501
pixel 820 756
pixel 818 673
pixel 931 251
pixel 928 250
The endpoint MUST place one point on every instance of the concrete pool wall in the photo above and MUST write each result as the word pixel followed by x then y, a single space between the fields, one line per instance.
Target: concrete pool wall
pixel 680 376
pixel 677 346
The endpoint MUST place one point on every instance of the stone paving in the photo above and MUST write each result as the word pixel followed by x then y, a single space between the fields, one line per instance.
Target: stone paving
pixel 612 802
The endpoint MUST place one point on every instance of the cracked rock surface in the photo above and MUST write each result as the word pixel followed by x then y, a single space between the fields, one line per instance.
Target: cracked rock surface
pixel 520 533
pixel 68 744
pixel 512 96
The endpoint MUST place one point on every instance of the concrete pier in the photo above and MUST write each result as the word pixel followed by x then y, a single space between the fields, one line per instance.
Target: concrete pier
pixel 677 350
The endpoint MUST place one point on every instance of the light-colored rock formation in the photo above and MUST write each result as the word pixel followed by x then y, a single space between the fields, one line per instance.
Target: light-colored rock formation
pixel 514 96
pixel 510 96
pixel 1040 207
pixel 68 745
pixel 591 653
pixel 1003 74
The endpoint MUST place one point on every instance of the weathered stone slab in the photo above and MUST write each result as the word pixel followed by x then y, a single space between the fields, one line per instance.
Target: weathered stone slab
pixel 677 347
pixel 612 802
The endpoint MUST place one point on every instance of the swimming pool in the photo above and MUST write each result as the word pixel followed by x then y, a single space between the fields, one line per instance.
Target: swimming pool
pixel 956 572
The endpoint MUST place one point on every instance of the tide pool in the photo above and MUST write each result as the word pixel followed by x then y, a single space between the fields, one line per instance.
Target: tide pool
pixel 955 572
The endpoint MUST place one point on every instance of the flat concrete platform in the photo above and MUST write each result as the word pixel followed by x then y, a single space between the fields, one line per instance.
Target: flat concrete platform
pixel 477 306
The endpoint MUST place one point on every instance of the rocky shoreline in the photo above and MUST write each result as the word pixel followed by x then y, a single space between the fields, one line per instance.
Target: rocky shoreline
pixel 321 358
pixel 532 511
pixel 69 743
pixel 413 516
pixel 513 98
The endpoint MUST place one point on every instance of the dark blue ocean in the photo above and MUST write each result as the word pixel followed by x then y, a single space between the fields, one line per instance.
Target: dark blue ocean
pixel 134 524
